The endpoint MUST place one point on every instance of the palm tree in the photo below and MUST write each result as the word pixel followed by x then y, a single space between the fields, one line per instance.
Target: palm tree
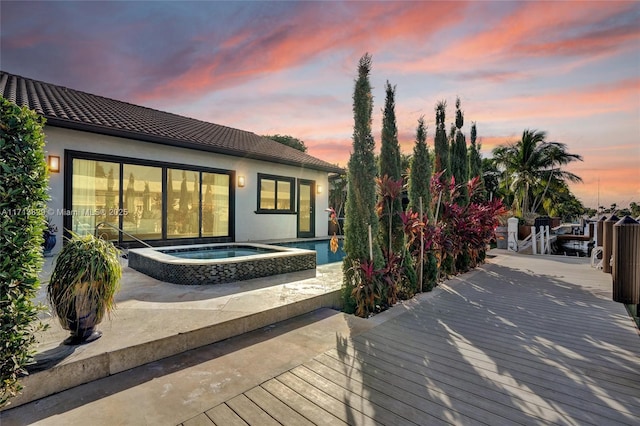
pixel 532 165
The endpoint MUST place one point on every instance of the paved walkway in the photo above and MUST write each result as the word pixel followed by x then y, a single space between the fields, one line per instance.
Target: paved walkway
pixel 522 340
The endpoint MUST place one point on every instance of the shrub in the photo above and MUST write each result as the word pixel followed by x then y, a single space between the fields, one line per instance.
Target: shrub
pixel 23 193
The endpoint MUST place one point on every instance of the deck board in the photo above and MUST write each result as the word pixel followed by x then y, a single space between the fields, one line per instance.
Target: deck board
pixel 504 344
pixel 331 403
pixel 199 420
pixel 223 415
pixel 250 412
pixel 276 408
pixel 371 405
pixel 315 414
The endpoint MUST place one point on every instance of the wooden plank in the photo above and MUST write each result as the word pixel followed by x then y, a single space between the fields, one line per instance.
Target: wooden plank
pixel 250 412
pixel 371 404
pixel 222 415
pixel 491 396
pixel 277 409
pixel 327 402
pixel 199 420
pixel 410 405
pixel 486 405
pixel 570 329
pixel 530 318
pixel 300 404
pixel 576 351
pixel 539 372
pixel 534 354
pixel 586 346
pixel 596 404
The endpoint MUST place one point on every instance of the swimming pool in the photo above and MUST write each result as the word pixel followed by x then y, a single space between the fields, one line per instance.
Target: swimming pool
pixel 217 252
pixel 196 264
pixel 324 255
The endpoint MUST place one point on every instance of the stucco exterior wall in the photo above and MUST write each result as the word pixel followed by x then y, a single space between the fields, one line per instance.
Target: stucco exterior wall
pixel 249 226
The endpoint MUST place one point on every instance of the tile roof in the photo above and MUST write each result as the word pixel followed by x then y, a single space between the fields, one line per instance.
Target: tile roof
pixel 69 108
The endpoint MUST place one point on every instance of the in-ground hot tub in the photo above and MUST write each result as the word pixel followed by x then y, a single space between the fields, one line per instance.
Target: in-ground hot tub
pixel 219 263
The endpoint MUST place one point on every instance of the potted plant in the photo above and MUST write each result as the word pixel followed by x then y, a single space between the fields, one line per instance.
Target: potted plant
pixel 82 288
pixel 49 236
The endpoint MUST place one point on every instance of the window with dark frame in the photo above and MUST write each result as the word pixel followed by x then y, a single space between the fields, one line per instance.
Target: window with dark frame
pixel 128 193
pixel 275 194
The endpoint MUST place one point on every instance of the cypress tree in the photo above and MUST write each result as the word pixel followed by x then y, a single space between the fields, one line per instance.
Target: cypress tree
pixel 441 146
pixel 390 165
pixel 475 160
pixel 459 161
pixel 420 173
pixel 361 190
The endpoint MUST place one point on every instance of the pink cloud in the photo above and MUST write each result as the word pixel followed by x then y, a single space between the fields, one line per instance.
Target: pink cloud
pixel 533 29
pixel 614 97
pixel 312 33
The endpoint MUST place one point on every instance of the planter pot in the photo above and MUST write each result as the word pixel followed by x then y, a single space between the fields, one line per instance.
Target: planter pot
pixel 82 336
pixel 524 231
pixel 49 243
pixel 82 325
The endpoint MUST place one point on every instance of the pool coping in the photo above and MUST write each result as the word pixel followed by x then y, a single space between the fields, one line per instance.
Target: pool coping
pixel 156 264
pixel 157 253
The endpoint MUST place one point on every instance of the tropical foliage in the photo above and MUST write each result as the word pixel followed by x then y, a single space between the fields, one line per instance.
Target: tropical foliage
pixel 531 169
pixel 23 193
pixel 455 200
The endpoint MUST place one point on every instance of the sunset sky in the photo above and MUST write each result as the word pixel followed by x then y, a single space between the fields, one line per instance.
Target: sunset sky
pixel 569 68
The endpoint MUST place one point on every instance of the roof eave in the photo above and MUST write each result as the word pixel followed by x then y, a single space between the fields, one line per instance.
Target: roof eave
pixel 110 131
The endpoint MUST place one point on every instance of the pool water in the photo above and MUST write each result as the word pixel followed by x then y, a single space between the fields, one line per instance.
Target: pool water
pixel 217 252
pixel 322 248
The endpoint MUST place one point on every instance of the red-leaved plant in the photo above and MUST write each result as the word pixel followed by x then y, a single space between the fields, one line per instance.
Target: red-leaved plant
pixel 465 229
pixel 368 289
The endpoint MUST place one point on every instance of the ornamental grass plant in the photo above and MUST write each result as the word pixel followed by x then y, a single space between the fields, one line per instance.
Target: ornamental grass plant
pixel 83 285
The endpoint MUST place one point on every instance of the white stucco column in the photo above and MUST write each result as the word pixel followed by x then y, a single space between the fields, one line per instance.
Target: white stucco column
pixel 512 234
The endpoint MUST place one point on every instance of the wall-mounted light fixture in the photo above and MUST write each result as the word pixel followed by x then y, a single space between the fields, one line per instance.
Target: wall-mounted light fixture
pixel 241 181
pixel 319 189
pixel 53 163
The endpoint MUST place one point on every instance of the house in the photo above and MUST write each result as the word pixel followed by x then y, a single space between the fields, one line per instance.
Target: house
pixel 167 179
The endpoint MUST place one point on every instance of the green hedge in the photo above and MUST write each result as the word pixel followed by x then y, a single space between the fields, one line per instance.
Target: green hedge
pixel 23 194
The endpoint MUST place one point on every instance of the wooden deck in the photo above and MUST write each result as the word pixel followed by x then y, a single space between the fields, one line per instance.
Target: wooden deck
pixel 523 340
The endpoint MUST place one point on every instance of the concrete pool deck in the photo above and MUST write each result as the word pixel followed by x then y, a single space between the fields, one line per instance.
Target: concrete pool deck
pixel 155 320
